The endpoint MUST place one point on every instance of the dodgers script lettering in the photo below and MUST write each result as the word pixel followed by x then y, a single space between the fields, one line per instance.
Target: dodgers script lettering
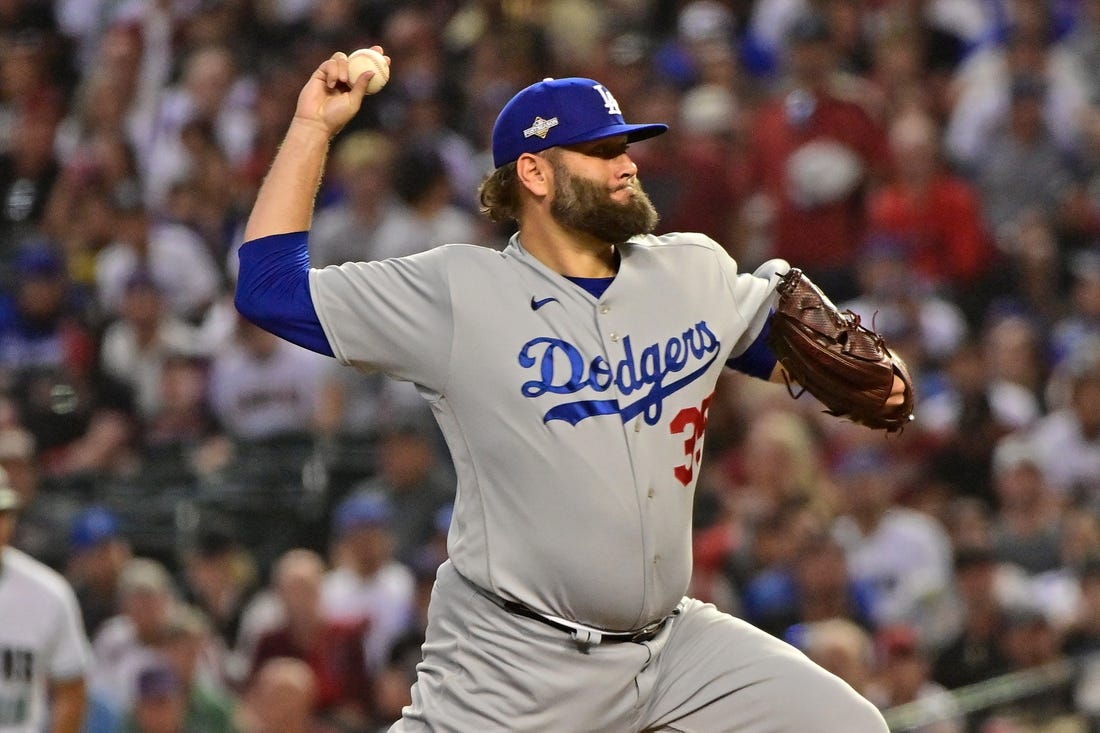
pixel 657 371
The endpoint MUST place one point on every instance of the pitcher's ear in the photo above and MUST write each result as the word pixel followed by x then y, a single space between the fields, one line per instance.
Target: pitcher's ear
pixel 535 173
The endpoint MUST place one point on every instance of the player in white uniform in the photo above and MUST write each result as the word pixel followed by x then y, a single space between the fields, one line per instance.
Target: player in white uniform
pixel 571 375
pixel 43 649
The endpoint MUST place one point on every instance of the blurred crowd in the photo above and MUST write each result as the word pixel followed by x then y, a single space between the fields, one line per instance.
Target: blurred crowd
pixel 252 529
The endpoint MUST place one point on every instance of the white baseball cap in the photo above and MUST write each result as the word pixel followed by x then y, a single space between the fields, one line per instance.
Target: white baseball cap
pixel 9 498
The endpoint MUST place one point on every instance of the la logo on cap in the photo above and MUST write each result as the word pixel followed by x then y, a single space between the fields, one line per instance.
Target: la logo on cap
pixel 608 101
pixel 541 127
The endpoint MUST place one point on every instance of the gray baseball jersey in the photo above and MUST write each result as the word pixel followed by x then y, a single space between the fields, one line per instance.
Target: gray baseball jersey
pixel 575 423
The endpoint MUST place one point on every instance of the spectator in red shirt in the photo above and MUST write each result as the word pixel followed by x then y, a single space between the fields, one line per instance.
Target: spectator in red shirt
pixel 333 651
pixel 935 213
pixel 816 154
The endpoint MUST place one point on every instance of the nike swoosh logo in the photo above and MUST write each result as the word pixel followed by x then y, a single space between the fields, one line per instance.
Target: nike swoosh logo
pixel 536 304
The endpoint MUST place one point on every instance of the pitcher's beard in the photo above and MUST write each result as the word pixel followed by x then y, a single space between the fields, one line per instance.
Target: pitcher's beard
pixel 588 207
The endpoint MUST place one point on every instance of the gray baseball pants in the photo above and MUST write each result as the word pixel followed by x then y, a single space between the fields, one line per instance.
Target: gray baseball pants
pixel 488 670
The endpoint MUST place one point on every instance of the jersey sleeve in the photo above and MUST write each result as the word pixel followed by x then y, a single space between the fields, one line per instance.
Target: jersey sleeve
pixel 394 316
pixel 273 289
pixel 71 652
pixel 758 360
pixel 753 295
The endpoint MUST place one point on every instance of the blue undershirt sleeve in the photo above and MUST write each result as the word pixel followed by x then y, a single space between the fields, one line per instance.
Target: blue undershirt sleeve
pixel 273 290
pixel 758 360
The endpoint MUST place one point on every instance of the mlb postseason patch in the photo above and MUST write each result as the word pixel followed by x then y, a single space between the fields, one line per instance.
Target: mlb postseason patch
pixel 540 127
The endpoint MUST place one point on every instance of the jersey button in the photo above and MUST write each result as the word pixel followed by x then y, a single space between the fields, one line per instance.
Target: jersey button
pixel 651 492
pixel 614 336
pixel 656 559
pixel 605 308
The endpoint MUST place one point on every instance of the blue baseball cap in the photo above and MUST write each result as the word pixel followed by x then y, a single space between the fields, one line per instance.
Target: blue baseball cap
pixel 158 680
pixel 442 517
pixel 92 527
pixel 863 461
pixel 561 112
pixel 362 509
pixel 39 259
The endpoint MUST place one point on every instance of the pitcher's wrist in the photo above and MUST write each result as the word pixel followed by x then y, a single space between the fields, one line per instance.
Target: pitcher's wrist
pixel 304 129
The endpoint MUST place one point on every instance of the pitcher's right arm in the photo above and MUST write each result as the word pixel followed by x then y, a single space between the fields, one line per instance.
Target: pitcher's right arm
pixel 273 280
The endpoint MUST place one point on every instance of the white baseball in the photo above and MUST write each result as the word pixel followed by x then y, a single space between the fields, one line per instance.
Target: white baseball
pixel 367 59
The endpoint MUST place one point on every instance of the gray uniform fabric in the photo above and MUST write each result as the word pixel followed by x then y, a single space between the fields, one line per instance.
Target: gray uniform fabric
pixel 576 428
pixel 485 669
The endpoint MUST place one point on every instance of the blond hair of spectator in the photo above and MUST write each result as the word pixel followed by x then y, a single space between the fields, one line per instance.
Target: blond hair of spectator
pixel 281 698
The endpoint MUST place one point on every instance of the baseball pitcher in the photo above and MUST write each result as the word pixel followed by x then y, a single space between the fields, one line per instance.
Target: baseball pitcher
pixel 571 375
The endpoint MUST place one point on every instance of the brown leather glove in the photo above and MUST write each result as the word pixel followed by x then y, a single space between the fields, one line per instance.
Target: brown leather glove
pixel 835 358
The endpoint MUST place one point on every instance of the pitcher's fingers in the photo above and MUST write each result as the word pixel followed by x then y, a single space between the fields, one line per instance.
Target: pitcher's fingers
pixel 389 61
pixel 897 392
pixel 336 69
pixel 359 88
